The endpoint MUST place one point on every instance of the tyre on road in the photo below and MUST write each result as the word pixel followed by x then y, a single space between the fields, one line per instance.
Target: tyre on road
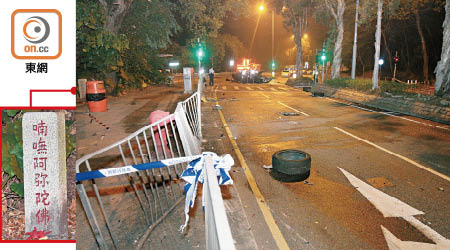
pixel 291 161
pixel 290 165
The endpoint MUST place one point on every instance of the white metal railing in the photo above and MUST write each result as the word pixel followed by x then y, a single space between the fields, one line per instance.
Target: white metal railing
pixel 217 228
pixel 157 191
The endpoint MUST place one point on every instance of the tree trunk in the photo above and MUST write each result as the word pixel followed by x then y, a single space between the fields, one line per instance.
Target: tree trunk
pixel 442 85
pixel 337 11
pixel 424 46
pixel 299 55
pixel 115 13
pixel 337 54
pixel 388 51
pixel 377 46
pixel 355 38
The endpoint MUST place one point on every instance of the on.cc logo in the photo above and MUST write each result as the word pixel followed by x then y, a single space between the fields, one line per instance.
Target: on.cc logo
pixel 36 34
pixel 39 29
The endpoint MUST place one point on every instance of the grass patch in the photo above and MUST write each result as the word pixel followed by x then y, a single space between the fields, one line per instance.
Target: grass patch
pixel 365 85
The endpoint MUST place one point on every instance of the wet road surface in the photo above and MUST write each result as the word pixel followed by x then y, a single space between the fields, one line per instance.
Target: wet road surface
pixel 406 158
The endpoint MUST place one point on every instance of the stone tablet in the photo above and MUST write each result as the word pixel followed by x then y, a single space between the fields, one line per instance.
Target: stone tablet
pixel 82 88
pixel 44 165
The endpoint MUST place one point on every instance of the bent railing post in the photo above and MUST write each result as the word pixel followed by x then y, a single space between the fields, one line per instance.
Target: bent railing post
pixel 217 228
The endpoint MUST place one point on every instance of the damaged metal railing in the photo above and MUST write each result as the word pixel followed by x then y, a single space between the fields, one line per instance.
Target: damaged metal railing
pixel 156 191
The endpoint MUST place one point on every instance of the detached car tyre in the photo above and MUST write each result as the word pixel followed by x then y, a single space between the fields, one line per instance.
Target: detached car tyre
pixel 291 162
pixel 287 177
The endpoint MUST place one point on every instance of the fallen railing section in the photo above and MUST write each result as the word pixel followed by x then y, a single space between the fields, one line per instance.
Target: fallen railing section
pixel 156 191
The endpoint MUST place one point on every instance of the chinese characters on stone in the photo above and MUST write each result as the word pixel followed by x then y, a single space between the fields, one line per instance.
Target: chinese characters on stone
pixel 40 172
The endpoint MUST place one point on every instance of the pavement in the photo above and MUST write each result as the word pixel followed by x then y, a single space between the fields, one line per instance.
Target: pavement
pixel 376 180
pixel 126 114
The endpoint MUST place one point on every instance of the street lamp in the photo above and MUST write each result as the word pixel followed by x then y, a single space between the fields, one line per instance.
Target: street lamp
pixel 261 8
pixel 231 63
pixel 380 62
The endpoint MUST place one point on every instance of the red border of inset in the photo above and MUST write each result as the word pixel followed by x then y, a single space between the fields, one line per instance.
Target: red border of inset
pixel 37 11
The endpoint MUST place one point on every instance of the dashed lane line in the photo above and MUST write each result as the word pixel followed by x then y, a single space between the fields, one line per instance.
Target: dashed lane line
pixel 298 111
pixel 236 87
pixel 248 88
pixel 268 217
pixel 260 88
pixel 224 87
pixel 397 155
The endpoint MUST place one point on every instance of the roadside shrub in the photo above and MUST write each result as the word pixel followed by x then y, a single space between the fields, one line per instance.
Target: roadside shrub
pixel 357 84
pixel 393 88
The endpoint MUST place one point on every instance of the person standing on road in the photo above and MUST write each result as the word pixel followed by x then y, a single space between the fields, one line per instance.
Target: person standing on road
pixel 211 76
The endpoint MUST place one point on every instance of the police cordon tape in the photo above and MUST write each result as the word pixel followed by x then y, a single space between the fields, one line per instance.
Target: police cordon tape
pixel 107 172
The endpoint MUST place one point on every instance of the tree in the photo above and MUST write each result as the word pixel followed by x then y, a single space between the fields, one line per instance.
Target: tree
pixel 205 18
pixel 337 8
pixel 295 14
pixel 377 45
pixel 442 84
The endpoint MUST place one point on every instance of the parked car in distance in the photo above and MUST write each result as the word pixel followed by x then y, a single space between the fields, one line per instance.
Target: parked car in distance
pixel 288 71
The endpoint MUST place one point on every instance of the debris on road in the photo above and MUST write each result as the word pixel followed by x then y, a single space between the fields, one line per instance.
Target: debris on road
pixel 441 189
pixel 217 107
pixel 133 103
pixel 234 99
pixel 289 113
pixel 308 183
pixel 267 167
pixel 229 119
pixel 211 99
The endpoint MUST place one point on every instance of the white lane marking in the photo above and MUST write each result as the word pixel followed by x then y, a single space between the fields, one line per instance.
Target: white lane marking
pixel 389 206
pixel 265 95
pixel 395 243
pixel 236 87
pixel 224 87
pixel 385 113
pixel 348 104
pixel 397 155
pixel 260 88
pixel 273 89
pixel 282 88
pixel 392 207
pixel 391 113
pixel 248 88
pixel 293 109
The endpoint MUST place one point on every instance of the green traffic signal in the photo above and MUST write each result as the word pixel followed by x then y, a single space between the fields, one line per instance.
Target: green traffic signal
pixel 200 53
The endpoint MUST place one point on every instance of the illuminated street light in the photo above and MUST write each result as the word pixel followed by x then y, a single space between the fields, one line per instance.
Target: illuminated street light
pixel 174 64
pixel 261 8
pixel 323 57
pixel 381 61
pixel 305 36
pixel 231 63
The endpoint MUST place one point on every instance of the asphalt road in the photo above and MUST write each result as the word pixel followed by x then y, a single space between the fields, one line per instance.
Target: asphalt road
pixel 406 159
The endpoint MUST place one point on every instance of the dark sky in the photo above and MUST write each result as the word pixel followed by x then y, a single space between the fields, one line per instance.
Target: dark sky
pixel 244 26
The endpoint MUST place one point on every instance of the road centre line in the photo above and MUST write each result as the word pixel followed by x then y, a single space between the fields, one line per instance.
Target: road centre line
pixel 293 109
pixel 260 88
pixel 390 113
pixel 260 200
pixel 265 95
pixel 248 88
pixel 236 87
pixel 397 155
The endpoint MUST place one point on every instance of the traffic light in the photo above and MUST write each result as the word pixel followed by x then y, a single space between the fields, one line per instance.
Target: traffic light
pixel 273 65
pixel 200 53
pixel 396 59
